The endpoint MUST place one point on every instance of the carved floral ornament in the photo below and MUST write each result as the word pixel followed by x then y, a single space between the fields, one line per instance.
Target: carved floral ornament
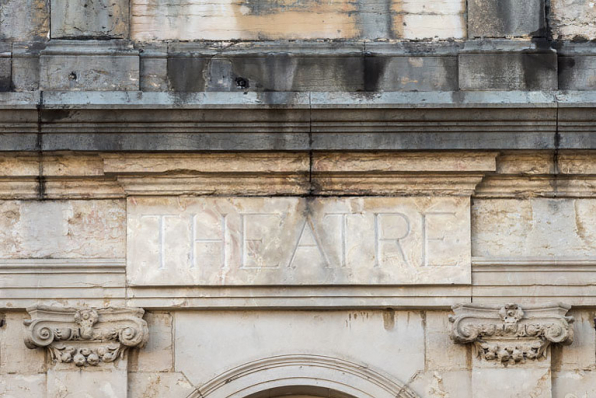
pixel 85 336
pixel 511 334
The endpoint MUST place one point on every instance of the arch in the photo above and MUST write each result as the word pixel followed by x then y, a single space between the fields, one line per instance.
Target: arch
pixel 350 379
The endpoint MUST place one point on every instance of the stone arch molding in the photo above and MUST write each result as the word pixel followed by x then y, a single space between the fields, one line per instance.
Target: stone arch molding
pixel 346 377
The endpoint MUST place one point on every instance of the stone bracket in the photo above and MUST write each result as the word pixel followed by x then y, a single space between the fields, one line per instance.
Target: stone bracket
pixel 85 336
pixel 509 333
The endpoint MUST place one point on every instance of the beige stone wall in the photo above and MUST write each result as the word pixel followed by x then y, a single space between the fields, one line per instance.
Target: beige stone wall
pixel 413 346
pixel 530 237
pixel 150 20
pixel 289 19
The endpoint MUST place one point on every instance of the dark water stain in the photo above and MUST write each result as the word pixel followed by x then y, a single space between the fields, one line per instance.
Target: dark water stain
pixel 374 69
pixel 186 74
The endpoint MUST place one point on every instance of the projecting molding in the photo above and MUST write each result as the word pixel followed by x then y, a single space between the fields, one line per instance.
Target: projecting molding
pixel 510 333
pixel 85 336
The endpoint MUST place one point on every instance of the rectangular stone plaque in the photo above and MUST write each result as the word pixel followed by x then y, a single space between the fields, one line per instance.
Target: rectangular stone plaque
pixel 298 241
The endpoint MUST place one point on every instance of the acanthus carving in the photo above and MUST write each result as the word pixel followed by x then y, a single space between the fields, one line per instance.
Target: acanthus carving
pixel 510 333
pixel 85 337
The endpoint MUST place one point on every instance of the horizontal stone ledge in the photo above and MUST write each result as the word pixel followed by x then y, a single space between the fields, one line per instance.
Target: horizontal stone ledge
pixel 288 121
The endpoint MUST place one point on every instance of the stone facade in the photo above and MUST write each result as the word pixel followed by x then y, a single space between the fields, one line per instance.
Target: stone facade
pixel 297 198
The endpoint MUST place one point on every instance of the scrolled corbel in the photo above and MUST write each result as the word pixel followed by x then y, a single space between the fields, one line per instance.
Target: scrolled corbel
pixel 85 336
pixel 509 333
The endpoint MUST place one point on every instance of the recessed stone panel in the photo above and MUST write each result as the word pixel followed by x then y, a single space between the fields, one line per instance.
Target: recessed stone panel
pixel 539 228
pixel 90 18
pixel 62 229
pixel 297 241
pixel 89 66
pixel 513 71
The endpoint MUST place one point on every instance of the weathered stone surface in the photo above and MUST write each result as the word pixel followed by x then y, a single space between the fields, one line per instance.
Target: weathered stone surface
pixel 573 19
pixel 506 18
pixel 538 228
pixel 66 282
pixel 154 67
pixel 292 241
pixel 342 335
pixel 108 383
pixel 5 67
pixel 90 18
pixel 574 384
pixel 189 20
pixel 5 73
pixel 15 358
pixel 434 19
pixel 23 386
pixel 441 353
pixel 512 382
pixel 150 385
pixel 443 384
pixel 24 20
pixel 579 355
pixel 157 355
pixel 25 66
pixel 577 72
pixel 97 66
pixel 338 19
pixel 513 71
pixel 62 229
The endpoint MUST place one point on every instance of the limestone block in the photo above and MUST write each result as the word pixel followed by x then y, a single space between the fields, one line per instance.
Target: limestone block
pixel 272 20
pixel 158 353
pixel 89 66
pixel 109 383
pixel 23 386
pixel 574 384
pixel 15 358
pixel 577 72
pixel 430 26
pixel 343 73
pixel 241 20
pixel 441 353
pixel 154 68
pixel 443 384
pixel 294 241
pixel 25 67
pixel 90 18
pixel 186 74
pixel 581 355
pixel 94 282
pixel 512 382
pixel 573 19
pixel 230 339
pixel 62 229
pixel 414 74
pixel 508 71
pixel 24 20
pixel 506 18
pixel 149 385
pixel 538 228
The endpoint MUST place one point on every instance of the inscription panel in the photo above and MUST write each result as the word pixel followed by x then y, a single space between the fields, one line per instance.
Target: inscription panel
pixel 298 241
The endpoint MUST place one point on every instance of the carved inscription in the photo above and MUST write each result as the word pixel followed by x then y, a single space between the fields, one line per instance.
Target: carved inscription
pixel 285 241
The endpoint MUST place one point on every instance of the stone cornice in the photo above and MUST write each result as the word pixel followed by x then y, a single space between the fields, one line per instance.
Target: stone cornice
pixel 509 333
pixel 290 121
pixel 85 336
